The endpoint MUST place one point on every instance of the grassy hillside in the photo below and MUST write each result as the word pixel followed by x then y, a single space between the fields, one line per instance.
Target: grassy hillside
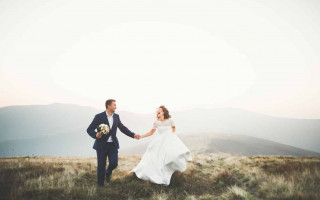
pixel 208 176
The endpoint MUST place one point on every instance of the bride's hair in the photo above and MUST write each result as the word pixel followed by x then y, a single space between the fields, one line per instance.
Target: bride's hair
pixel 165 112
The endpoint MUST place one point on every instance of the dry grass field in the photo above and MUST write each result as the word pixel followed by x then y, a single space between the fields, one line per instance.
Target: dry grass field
pixel 209 176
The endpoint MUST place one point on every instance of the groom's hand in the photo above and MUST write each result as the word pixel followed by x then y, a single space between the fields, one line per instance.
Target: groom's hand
pixel 99 134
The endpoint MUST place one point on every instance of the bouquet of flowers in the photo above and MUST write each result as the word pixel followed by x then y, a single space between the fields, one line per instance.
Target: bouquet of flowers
pixel 104 128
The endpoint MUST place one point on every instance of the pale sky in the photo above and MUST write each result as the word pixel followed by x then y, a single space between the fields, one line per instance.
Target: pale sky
pixel 262 56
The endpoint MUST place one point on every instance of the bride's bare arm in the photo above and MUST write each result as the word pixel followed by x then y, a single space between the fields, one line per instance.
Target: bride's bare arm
pixel 149 133
pixel 173 129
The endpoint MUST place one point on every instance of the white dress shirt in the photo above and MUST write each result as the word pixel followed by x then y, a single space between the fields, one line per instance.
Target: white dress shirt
pixel 110 119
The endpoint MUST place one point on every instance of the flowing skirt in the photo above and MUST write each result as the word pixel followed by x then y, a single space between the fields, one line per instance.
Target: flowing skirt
pixel 164 155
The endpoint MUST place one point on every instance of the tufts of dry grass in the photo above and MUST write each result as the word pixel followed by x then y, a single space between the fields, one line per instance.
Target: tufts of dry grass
pixel 208 176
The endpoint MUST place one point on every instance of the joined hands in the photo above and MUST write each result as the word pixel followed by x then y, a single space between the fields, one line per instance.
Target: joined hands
pixel 99 135
pixel 136 136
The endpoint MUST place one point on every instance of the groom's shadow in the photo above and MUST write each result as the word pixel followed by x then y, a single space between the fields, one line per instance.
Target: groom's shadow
pixel 129 185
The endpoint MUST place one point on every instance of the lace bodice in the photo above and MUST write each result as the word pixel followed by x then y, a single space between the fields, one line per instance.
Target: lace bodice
pixel 167 123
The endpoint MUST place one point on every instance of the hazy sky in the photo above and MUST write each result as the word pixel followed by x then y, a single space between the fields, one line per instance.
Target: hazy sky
pixel 262 56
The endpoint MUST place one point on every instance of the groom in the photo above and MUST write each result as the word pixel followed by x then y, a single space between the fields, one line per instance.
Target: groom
pixel 107 145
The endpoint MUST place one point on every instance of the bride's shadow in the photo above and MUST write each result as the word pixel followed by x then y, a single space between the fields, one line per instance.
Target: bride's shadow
pixel 136 187
pixel 177 179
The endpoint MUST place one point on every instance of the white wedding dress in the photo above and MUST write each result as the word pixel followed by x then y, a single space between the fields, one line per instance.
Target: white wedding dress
pixel 165 154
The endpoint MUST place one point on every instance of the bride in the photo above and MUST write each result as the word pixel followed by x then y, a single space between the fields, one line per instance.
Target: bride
pixel 165 154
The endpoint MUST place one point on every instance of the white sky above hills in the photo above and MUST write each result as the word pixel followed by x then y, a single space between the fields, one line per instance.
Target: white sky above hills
pixel 262 56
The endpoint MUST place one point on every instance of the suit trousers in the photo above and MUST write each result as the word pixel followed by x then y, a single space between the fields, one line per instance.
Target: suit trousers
pixel 111 151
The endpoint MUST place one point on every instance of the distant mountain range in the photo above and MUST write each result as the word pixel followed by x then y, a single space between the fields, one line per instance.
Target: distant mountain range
pixel 60 129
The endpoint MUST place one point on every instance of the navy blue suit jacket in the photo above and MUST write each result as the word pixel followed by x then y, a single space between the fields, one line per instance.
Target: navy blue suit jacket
pixel 102 118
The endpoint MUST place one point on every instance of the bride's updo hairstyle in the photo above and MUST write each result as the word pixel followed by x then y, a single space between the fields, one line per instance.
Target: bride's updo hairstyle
pixel 165 112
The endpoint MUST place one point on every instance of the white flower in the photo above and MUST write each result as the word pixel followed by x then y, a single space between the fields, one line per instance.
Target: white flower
pixel 104 128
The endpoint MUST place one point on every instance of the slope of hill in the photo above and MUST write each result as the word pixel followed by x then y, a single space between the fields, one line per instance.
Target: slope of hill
pixel 229 144
pixel 60 129
pixel 208 176
pixel 55 129
pixel 302 133
pixel 22 122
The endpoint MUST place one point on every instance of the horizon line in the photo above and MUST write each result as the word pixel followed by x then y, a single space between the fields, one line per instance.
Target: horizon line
pixel 172 110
